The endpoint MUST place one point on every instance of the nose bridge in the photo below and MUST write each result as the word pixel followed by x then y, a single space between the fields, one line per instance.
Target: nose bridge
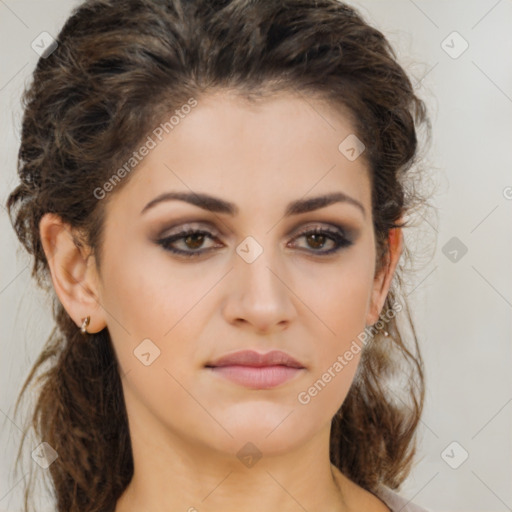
pixel 257 267
pixel 260 296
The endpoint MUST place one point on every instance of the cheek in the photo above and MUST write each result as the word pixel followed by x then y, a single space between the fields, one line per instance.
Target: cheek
pixel 328 388
pixel 343 304
pixel 149 306
pixel 146 294
pixel 340 295
pixel 154 322
pixel 340 302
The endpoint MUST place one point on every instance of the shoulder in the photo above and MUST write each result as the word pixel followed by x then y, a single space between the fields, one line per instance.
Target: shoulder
pixel 382 499
pixel 395 501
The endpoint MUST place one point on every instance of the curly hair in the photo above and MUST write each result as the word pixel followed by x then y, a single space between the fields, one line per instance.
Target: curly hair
pixel 119 68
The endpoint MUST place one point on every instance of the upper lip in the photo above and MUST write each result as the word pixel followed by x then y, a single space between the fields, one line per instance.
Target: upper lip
pixel 253 358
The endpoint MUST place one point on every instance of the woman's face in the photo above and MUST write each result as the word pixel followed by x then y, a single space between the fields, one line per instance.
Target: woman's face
pixel 253 278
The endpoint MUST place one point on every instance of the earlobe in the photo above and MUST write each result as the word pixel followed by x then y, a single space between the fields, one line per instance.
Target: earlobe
pixel 383 280
pixel 74 277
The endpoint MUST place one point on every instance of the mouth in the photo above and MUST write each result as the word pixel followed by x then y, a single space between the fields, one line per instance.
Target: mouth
pixel 253 370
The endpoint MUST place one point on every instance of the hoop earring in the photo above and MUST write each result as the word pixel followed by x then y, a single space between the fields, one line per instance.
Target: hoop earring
pixel 85 323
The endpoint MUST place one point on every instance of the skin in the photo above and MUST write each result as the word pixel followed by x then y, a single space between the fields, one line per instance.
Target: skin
pixel 186 424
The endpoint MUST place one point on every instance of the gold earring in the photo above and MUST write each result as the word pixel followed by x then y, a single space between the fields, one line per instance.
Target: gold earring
pixel 85 323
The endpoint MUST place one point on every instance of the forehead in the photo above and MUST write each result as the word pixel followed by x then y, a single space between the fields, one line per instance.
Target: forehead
pixel 271 151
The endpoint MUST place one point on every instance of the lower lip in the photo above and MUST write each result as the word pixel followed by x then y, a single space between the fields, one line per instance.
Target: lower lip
pixel 263 377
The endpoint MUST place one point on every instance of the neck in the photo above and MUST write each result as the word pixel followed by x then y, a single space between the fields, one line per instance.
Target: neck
pixel 173 474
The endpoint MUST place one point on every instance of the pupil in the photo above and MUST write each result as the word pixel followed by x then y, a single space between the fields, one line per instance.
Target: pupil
pixel 316 238
pixel 196 236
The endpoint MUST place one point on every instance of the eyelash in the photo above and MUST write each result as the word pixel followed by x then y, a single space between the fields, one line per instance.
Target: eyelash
pixel 337 236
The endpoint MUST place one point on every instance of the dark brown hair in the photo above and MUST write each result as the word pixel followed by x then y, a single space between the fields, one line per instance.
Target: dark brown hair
pixel 120 68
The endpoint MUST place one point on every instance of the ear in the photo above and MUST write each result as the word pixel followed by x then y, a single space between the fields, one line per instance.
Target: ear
pixel 382 280
pixel 73 271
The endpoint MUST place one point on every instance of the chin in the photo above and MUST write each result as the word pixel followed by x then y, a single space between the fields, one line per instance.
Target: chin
pixel 274 429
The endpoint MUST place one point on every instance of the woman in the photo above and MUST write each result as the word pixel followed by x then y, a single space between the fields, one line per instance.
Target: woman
pixel 215 195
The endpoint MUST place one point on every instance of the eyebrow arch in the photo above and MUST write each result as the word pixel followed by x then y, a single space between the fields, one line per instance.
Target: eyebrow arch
pixel 217 205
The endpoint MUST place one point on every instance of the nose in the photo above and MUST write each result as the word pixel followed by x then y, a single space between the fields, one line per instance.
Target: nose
pixel 261 296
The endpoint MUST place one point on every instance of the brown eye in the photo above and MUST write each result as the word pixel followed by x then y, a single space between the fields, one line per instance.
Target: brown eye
pixel 316 241
pixel 191 240
pixel 194 241
pixel 317 238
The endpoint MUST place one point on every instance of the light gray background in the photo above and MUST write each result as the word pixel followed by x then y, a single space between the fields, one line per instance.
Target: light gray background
pixel 462 309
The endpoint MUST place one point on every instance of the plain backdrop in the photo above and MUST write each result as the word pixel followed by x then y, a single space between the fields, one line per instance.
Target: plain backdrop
pixel 459 55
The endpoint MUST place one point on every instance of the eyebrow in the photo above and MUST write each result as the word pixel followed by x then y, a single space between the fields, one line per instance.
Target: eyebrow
pixel 217 205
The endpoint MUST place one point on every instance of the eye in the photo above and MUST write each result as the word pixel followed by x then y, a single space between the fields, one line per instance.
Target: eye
pixel 191 240
pixel 317 238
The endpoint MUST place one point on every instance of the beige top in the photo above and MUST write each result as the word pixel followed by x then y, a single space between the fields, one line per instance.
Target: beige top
pixel 396 502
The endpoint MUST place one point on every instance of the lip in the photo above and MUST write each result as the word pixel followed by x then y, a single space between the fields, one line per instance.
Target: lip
pixel 255 359
pixel 256 371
